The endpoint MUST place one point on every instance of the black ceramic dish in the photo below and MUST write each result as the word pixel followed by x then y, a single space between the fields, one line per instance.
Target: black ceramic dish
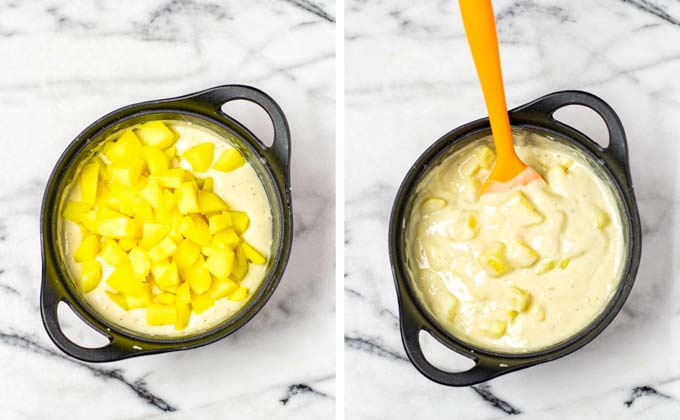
pixel 611 163
pixel 272 164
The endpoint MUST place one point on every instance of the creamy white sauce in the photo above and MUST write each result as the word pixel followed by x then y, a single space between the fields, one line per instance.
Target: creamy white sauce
pixel 241 189
pixel 485 309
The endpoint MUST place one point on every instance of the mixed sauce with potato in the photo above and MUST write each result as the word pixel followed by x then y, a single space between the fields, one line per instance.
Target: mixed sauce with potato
pixel 520 270
pixel 162 234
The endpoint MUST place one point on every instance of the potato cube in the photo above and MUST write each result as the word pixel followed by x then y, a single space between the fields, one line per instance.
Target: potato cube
pixel 208 184
pixel 152 233
pixel 518 208
pixel 169 278
pixel 187 199
pixel 227 238
pixel 171 152
pixel 219 222
pixel 140 261
pixel 156 160
pixel 142 208
pixel 127 244
pixel 113 254
pixel 432 205
pixel 485 156
pixel 75 211
pixel 119 299
pixel 240 221
pixel 209 202
pixel 187 253
pixel 221 288
pixel 183 314
pixel 199 277
pixel 252 255
pixel 240 269
pixel 153 194
pixel 537 312
pixel 123 280
pixel 165 298
pixel 125 148
pixel 544 266
pixel 200 156
pixel 200 303
pixel 184 292
pixel 493 328
pixel 220 263
pixel 557 178
pixel 519 299
pixel 469 167
pixel 126 173
pixel 469 189
pixel 88 183
pixel 194 227
pixel 118 227
pixel 162 250
pixel 158 269
pixel 239 294
pixel 90 275
pixel 169 178
pixel 521 255
pixel 140 301
pixel 600 217
pixel 159 314
pixel 157 134
pixel 493 260
pixel 230 160
pixel 90 221
pixel 88 248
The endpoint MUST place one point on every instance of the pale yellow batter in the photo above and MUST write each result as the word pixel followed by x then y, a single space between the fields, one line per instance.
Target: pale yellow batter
pixel 241 189
pixel 521 270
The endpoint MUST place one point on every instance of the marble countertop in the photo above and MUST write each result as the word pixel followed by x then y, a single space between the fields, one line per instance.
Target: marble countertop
pixel 409 80
pixel 64 64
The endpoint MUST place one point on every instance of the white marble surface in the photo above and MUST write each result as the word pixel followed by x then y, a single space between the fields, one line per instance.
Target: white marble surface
pixel 63 65
pixel 409 80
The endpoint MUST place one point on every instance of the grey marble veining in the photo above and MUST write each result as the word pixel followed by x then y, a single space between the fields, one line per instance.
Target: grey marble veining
pixel 64 64
pixel 409 80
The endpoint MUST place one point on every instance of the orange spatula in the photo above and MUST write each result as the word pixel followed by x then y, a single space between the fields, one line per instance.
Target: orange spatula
pixel 480 27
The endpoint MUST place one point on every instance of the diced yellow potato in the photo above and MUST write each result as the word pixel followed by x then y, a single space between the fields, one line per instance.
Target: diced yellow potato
pixel 183 314
pixel 227 238
pixel 171 152
pixel 432 205
pixel 162 250
pixel 600 217
pixel 221 288
pixel 519 299
pixel 156 160
pixel 157 134
pixel 169 178
pixel 90 221
pixel 220 263
pixel 107 213
pixel 159 314
pixel 142 208
pixel 207 250
pixel 187 253
pixel 241 266
pixel 119 227
pixel 493 328
pixel 169 278
pixel 231 159
pixel 208 184
pixel 90 275
pixel 565 263
pixel 485 156
pixel 123 280
pixel 187 199
pixel 469 189
pixel 126 173
pixel 195 228
pixel 140 261
pixel 199 277
pixel 469 167
pixel 200 156
pixel 544 266
pixel 140 301
pixel 219 222
pixel 240 221
pixel 127 244
pixel 537 312
pixel 88 248
pixel 566 162
pixel 209 202
pixel 184 292
pixel 113 254
pixel 200 303
pixel 521 255
pixel 88 183
pixel 252 254
pixel 125 148
pixel 493 259
pixel 119 299
pixel 239 294
pixel 519 209
pixel 557 178
pixel 152 233
pixel 157 270
pixel 165 298
pixel 75 211
pixel 153 194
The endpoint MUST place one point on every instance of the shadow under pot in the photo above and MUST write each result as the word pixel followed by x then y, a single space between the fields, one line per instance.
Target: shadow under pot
pixel 609 166
pixel 269 171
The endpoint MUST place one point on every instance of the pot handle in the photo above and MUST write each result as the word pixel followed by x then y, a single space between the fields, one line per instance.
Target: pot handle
pixel 546 106
pixel 118 347
pixel 484 369
pixel 220 95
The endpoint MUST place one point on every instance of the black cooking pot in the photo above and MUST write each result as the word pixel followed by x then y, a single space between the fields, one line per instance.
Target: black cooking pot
pixel 610 163
pixel 272 165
